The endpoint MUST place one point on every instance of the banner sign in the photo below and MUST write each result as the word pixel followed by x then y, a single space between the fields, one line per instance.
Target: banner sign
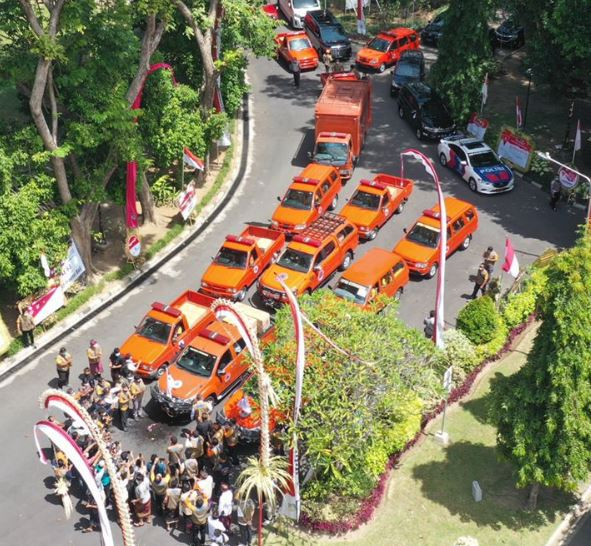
pixel 5 337
pixel 516 148
pixel 568 179
pixel 134 246
pixel 187 201
pixel 48 304
pixel 477 126
pixel 72 267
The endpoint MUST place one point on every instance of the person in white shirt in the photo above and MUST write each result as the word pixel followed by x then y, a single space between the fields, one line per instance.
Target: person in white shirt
pixel 225 504
pixel 205 484
pixel 213 525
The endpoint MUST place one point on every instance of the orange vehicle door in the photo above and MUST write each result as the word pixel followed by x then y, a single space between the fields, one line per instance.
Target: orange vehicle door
pixel 319 203
pixel 392 51
pixel 451 240
pixel 399 276
pixel 385 209
pixel 223 375
pixel 387 284
pixel 461 230
pixel 325 263
pixel 346 237
pixel 403 45
pixel 254 264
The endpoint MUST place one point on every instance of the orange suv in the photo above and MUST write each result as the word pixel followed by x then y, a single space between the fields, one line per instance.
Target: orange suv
pixel 420 245
pixel 385 49
pixel 311 258
pixel 378 273
pixel 309 196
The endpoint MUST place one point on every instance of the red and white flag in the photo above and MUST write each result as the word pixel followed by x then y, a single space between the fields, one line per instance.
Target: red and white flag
pixel 511 264
pixel 578 137
pixel 192 160
pixel 518 115
pixel 485 89
pixel 48 304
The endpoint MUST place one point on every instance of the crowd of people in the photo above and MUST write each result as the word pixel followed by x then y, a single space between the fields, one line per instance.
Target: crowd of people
pixel 188 487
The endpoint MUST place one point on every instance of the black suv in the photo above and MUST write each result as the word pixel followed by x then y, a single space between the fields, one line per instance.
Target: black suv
pixel 432 33
pixel 409 68
pixel 325 32
pixel 425 111
pixel 510 34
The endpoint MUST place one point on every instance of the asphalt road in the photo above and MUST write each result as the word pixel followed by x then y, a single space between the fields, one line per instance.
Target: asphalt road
pixel 283 118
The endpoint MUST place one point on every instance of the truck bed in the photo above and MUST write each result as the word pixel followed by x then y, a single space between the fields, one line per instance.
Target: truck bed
pixel 265 238
pixel 193 305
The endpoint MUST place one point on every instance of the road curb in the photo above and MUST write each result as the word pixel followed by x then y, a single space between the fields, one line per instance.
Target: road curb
pixel 565 529
pixel 104 300
pixel 579 206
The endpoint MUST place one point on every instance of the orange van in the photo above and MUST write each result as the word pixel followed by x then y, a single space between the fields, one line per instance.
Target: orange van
pixel 420 245
pixel 385 49
pixel 378 273
pixel 310 195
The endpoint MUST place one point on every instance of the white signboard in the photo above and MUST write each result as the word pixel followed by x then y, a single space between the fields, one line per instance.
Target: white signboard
pixel 72 267
pixel 477 126
pixel 568 179
pixel 516 149
pixel 447 379
pixel 187 201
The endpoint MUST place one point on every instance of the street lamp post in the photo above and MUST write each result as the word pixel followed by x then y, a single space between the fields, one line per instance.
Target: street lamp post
pixel 529 75
pixel 547 157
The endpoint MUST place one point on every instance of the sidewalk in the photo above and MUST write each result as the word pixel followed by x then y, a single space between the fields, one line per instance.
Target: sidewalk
pixel 429 496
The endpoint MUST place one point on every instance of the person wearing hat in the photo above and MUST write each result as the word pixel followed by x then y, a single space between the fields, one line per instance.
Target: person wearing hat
pixel 490 259
pixel 25 326
pixel 115 364
pixel 124 400
pixel 63 363
pixel 481 281
pixel 137 390
pixel 95 357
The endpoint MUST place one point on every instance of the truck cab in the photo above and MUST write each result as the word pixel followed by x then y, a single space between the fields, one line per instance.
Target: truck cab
pixel 311 258
pixel 335 149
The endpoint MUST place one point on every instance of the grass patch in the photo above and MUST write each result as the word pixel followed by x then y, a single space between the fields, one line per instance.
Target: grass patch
pixel 429 499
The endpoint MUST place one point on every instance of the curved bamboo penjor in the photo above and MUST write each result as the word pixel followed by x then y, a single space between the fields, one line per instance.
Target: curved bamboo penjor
pixel 53 398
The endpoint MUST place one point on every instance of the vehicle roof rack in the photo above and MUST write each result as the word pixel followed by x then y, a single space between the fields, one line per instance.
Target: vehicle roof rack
pixel 322 227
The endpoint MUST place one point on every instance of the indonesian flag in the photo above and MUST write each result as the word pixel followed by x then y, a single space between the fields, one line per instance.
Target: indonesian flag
pixel 578 137
pixel 511 264
pixel 47 304
pixel 485 89
pixel 518 116
pixel 192 160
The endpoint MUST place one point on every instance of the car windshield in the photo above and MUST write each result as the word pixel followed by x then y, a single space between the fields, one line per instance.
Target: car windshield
pixel 434 108
pixel 197 362
pixel 486 159
pixel 379 44
pixel 333 152
pixel 295 260
pixel 351 291
pixel 154 330
pixel 365 200
pixel 299 44
pixel 300 4
pixel 298 199
pixel 424 235
pixel 407 69
pixel 332 35
pixel 229 257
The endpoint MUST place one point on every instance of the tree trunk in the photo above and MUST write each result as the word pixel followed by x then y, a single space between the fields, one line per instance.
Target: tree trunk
pixel 147 201
pixel 532 499
pixel 81 233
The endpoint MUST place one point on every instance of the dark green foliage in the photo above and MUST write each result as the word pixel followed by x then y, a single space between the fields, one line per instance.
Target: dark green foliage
pixel 543 412
pixel 479 320
pixel 464 47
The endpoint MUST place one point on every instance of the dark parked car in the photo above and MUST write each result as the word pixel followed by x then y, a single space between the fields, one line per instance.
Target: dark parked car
pixel 425 111
pixel 510 34
pixel 326 32
pixel 410 68
pixel 432 33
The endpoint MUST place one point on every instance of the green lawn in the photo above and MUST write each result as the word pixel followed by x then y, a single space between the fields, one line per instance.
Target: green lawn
pixel 429 499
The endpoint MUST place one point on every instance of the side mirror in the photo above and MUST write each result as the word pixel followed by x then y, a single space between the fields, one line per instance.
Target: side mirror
pixel 414 114
pixel 309 155
pixel 278 198
pixel 219 372
pixel 317 268
pixel 405 230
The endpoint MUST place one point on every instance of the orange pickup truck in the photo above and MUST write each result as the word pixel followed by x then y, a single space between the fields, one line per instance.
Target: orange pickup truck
pixel 157 340
pixel 296 46
pixel 309 196
pixel 343 117
pixel 373 203
pixel 211 365
pixel 241 261
pixel 311 258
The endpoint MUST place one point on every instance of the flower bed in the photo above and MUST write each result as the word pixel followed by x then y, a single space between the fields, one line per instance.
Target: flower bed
pixel 369 504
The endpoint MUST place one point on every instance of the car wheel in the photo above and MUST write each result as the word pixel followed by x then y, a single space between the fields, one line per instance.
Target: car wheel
pixel 466 242
pixel 346 261
pixel 419 133
pixel 333 205
pixel 372 234
pixel 443 159
pixel 472 185
pixel 240 295
pixel 432 271
pixel 398 294
pixel 161 370
pixel 401 112
pixel 401 207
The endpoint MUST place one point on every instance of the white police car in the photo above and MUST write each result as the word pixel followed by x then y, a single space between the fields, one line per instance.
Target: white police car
pixel 476 163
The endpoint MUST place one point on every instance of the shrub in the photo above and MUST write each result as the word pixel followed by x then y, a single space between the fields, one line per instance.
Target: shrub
pixel 518 306
pixel 479 320
pixel 163 191
pixel 492 347
pixel 459 353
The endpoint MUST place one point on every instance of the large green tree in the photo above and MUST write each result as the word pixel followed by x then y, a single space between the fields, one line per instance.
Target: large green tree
pixel 543 412
pixel 463 49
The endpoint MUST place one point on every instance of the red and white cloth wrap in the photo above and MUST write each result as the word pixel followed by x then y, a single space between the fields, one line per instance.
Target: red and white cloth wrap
pixel 192 160
pixel 439 298
pixel 511 264
pixel 518 115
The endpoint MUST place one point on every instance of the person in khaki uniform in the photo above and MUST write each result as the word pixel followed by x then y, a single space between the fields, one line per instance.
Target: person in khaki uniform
pixel 137 390
pixel 124 400
pixel 95 357
pixel 63 363
pixel 244 512
pixel 25 326
pixel 490 259
pixel 481 281
pixel 199 514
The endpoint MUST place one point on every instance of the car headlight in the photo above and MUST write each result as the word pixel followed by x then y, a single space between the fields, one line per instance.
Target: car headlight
pixel 346 172
pixel 373 61
pixel 233 290
pixel 299 226
pixel 204 284
pixel 275 224
pixel 421 265
pixel 363 228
